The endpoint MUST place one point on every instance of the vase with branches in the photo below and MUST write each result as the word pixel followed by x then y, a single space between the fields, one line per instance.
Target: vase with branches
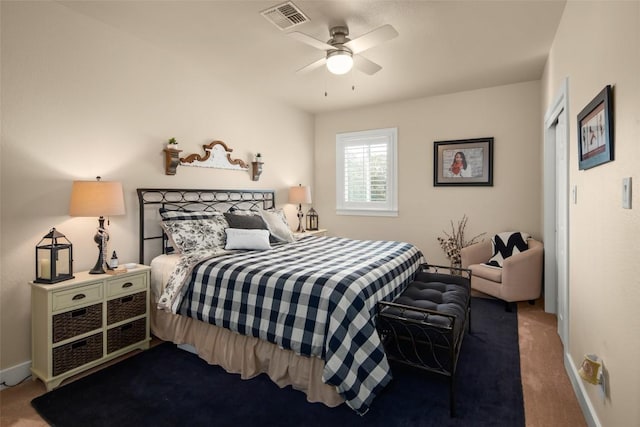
pixel 452 243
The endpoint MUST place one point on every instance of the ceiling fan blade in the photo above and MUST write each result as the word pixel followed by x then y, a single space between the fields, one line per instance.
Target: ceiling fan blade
pixel 310 41
pixel 372 38
pixel 317 64
pixel 365 65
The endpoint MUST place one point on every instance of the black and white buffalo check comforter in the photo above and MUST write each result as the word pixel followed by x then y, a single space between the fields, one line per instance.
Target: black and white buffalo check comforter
pixel 316 296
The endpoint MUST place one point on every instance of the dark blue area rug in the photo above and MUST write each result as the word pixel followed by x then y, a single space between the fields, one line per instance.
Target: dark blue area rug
pixel 165 386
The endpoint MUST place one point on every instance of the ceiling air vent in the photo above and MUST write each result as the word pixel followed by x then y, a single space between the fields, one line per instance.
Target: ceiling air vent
pixel 285 15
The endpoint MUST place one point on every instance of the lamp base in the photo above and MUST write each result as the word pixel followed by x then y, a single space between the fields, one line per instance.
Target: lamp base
pixel 97 269
pixel 101 237
pixel 300 228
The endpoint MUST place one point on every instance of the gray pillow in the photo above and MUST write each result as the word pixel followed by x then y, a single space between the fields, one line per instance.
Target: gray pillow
pixel 247 222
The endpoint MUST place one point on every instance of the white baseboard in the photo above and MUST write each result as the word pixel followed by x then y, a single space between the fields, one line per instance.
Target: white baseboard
pixel 15 374
pixel 588 410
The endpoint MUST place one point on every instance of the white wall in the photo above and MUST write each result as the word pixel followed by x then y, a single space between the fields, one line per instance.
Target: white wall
pixel 598 43
pixel 81 99
pixel 510 114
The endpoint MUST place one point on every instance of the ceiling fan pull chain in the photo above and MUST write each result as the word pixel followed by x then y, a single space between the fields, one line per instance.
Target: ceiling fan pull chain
pixel 353 81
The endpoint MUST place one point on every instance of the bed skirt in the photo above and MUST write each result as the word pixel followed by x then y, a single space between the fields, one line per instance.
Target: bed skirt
pixel 247 356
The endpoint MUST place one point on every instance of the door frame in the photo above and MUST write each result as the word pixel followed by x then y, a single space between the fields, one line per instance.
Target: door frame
pixel 560 104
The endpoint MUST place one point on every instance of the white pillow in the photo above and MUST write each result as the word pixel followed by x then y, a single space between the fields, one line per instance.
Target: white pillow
pixel 277 225
pixel 240 238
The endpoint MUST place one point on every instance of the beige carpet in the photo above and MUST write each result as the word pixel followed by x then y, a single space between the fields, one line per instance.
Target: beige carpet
pixel 548 396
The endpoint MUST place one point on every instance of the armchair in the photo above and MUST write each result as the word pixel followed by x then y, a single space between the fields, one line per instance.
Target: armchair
pixel 519 279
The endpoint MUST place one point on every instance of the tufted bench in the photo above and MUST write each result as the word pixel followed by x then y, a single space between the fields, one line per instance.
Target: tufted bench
pixel 425 325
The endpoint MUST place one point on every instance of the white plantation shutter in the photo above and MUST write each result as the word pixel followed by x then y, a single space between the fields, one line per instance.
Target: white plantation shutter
pixel 366 172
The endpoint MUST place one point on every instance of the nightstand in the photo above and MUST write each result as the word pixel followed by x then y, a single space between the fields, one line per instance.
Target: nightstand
pixel 83 322
pixel 322 232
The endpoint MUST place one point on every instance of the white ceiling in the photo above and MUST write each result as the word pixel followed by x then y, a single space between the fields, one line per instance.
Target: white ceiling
pixel 443 46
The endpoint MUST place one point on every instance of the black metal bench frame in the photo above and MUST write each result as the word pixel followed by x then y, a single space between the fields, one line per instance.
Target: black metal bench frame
pixel 431 343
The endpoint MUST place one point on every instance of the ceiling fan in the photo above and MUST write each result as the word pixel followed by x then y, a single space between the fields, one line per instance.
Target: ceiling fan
pixel 343 53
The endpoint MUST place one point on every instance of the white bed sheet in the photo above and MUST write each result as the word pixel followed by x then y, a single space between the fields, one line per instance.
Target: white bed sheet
pixel 161 268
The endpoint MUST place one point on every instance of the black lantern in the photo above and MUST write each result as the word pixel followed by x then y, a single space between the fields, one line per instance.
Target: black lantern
pixel 54 258
pixel 312 219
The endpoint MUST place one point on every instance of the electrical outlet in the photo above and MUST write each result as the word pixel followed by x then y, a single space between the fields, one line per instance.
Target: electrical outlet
pixel 626 193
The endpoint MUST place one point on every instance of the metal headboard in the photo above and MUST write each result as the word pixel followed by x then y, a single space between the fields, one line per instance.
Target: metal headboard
pixel 152 199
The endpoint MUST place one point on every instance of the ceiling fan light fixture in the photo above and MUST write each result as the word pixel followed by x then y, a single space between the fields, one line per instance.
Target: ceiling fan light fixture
pixel 339 62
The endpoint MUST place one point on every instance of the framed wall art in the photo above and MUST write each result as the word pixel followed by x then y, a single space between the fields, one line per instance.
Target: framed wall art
pixel 465 162
pixel 595 131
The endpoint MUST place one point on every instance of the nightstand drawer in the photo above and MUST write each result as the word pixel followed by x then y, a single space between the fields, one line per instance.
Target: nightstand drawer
pixel 70 356
pixel 126 307
pixel 125 335
pixel 76 322
pixel 76 297
pixel 126 285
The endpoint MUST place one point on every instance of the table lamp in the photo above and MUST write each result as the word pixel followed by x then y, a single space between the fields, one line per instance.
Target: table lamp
pixel 97 198
pixel 300 195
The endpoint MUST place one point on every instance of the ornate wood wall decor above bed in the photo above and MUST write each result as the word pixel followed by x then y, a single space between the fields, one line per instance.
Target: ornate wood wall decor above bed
pixel 216 155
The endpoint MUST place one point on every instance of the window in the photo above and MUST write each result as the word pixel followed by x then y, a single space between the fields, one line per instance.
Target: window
pixel 366 178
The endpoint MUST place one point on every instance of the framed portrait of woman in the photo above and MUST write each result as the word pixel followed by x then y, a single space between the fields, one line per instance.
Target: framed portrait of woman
pixel 467 162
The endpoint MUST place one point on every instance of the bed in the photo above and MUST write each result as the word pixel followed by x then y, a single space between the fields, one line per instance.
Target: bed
pixel 302 312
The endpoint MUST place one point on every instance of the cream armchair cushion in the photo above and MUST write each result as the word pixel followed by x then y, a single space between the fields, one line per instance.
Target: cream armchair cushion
pixel 519 279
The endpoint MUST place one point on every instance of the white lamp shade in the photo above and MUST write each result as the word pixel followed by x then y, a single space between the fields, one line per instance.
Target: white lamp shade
pixel 300 194
pixel 96 198
pixel 339 62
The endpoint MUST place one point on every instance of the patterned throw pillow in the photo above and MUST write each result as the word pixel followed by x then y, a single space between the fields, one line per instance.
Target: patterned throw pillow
pixel 507 244
pixel 192 231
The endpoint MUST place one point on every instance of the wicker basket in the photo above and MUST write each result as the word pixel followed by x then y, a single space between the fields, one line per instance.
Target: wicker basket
pixel 125 335
pixel 76 322
pixel 77 353
pixel 126 307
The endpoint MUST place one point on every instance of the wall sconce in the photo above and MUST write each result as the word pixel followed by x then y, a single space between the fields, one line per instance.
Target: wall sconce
pixel 171 160
pixel 256 167
pixel 54 258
